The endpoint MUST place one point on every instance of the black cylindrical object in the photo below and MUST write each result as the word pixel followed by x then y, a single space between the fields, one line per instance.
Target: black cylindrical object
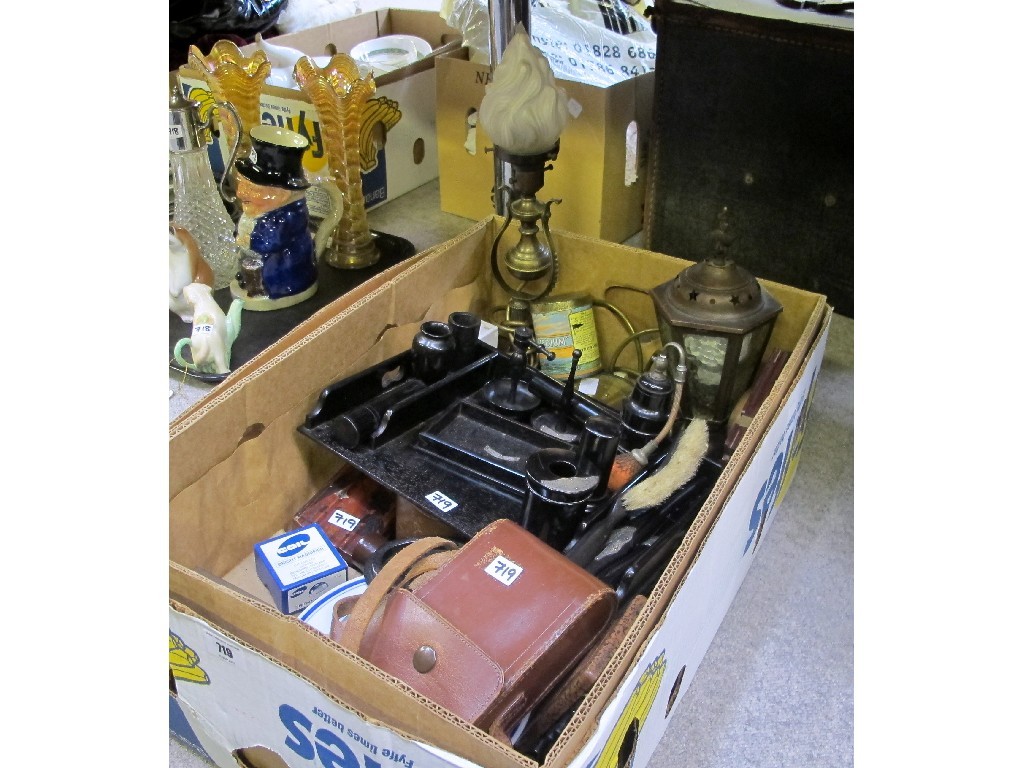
pixel 558 486
pixel 357 424
pixel 432 351
pixel 553 392
pixel 598 444
pixel 646 409
pixel 465 327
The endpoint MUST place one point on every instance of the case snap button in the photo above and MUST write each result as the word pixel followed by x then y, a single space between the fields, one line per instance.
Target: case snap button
pixel 424 659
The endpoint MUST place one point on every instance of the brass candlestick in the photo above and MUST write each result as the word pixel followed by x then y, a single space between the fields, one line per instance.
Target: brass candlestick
pixel 339 95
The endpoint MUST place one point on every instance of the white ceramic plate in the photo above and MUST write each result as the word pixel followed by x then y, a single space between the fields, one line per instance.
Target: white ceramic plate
pixel 319 614
pixel 384 54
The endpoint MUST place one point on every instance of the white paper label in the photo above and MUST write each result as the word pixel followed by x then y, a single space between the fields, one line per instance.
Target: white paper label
pixel 224 649
pixel 441 501
pixel 343 520
pixel 504 570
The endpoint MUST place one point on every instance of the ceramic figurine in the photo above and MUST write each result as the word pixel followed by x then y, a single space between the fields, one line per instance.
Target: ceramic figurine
pixel 187 265
pixel 279 262
pixel 213 332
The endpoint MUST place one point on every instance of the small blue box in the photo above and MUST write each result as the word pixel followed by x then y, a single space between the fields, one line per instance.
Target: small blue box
pixel 299 566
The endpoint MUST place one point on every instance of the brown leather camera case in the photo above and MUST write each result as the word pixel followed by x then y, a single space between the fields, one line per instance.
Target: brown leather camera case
pixel 489 632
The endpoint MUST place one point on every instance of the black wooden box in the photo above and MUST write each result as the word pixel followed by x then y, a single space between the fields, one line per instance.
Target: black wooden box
pixel 755 114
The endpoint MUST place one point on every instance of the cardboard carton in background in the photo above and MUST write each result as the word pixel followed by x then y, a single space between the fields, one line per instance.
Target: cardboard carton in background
pixel 590 173
pixel 407 152
pixel 239 469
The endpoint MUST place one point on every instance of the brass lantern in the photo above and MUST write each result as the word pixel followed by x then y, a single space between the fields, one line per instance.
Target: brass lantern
pixel 722 318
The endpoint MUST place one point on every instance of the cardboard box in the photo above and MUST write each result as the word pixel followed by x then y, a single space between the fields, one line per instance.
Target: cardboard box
pixel 191 730
pixel 402 108
pixel 267 683
pixel 601 170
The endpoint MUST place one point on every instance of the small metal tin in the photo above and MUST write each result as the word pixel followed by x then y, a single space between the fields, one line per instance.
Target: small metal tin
pixel 562 324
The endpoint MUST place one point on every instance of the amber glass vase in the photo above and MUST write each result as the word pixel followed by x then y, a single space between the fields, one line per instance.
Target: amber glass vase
pixel 340 95
pixel 237 79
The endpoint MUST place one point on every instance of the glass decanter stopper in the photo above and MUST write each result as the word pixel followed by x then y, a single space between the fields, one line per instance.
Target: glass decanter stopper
pixel 198 203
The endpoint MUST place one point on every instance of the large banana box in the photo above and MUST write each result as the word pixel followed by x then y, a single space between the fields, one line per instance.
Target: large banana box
pixel 252 686
pixel 398 143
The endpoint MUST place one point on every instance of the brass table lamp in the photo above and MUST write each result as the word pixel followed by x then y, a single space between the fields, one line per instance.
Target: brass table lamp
pixel 524 111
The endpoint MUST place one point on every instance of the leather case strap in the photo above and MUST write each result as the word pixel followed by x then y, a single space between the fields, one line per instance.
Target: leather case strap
pixel 586 673
pixel 352 616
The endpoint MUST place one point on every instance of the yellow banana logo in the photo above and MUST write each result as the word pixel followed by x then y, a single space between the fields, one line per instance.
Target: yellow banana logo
pixel 618 750
pixel 207 104
pixel 380 111
pixel 798 441
pixel 185 662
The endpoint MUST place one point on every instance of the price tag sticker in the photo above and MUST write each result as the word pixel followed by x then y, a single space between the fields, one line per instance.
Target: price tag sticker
pixel 441 501
pixel 504 570
pixel 343 520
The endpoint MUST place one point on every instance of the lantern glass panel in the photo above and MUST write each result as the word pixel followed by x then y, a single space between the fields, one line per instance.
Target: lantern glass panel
pixel 751 350
pixel 705 362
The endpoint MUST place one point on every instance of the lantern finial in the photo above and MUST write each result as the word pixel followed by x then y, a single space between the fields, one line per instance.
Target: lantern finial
pixel 721 237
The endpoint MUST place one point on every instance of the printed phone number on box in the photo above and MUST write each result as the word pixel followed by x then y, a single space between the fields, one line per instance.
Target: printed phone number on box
pixel 598 50
pixel 590 64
